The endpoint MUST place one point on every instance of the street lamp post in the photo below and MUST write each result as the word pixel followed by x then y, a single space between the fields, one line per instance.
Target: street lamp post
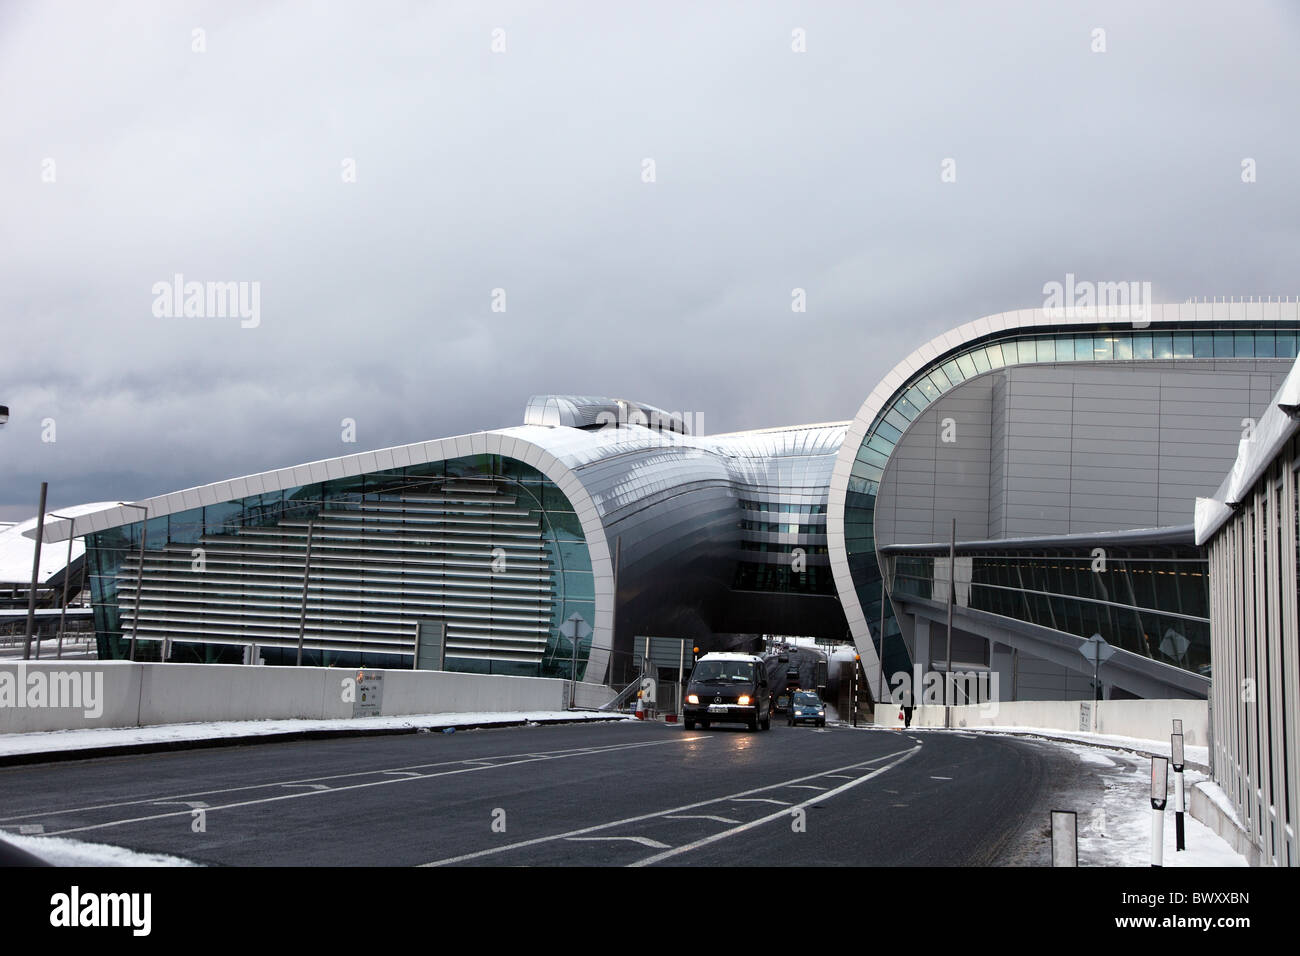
pixel 67 573
pixel 139 578
pixel 36 574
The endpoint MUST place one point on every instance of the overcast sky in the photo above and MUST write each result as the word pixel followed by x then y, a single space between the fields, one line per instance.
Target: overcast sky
pixel 127 156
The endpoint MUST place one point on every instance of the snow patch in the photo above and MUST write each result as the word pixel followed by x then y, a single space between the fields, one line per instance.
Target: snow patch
pixel 60 851
pixel 59 741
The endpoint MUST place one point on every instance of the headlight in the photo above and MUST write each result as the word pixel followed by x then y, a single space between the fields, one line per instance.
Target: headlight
pixel 744 700
pixel 692 698
pixel 821 713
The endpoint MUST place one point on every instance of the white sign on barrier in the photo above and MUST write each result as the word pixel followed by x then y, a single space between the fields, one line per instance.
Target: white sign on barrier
pixel 369 701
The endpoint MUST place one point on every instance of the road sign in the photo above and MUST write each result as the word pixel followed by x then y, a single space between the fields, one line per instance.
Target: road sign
pixel 1174 645
pixel 1096 649
pixel 575 627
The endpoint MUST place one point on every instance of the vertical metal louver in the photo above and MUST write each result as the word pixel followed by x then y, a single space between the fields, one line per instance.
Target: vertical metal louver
pixel 468 554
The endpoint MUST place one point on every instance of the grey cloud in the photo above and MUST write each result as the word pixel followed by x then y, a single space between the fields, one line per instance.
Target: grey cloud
pixel 522 171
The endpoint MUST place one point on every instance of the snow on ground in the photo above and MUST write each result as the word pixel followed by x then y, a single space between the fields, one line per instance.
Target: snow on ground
pixel 48 649
pixel 71 740
pixel 1118 833
pixel 60 851
pixel 1195 756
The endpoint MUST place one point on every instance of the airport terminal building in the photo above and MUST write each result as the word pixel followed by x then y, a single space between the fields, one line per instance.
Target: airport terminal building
pixel 1067 446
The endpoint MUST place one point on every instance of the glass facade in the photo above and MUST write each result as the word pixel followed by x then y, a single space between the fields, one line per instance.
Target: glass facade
pixel 485 544
pixel 1018 347
pixel 1152 601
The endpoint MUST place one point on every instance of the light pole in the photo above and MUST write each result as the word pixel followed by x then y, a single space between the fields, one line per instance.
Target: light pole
pixel 36 574
pixel 306 574
pixel 67 573
pixel 139 579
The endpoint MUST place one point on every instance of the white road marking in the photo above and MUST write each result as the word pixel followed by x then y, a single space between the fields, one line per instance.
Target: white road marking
pixel 400 773
pixel 700 816
pixel 779 814
pixel 806 786
pixel 461 767
pixel 644 841
pixel 663 813
pixel 933 777
pixel 573 752
pixel 779 803
pixel 192 804
pixel 841 776
pixel 29 828
pixel 313 786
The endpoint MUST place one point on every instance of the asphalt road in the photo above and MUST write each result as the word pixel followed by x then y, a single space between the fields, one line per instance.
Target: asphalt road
pixel 608 794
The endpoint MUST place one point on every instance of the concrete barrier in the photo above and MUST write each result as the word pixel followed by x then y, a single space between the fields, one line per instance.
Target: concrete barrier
pixel 76 695
pixel 593 696
pixel 1143 719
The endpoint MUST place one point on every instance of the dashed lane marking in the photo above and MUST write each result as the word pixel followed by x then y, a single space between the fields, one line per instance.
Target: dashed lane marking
pixel 700 816
pixel 644 841
pixel 410 769
pixel 458 767
pixel 659 814
pixel 778 815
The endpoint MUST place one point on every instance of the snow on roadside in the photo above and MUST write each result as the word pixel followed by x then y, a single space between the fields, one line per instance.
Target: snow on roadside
pixel 1194 755
pixel 70 740
pixel 60 851
pixel 1118 833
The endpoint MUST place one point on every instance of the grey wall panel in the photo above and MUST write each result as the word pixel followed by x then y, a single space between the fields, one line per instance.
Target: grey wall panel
pixel 933 480
pixel 1052 449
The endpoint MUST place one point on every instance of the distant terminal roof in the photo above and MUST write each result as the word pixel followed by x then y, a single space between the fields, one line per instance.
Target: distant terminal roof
pixel 17 549
pixel 591 411
pixel 795 459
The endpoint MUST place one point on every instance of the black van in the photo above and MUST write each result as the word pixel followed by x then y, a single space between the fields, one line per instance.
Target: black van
pixel 728 688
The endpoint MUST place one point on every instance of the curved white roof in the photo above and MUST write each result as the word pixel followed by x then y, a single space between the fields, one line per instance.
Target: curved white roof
pixel 18 544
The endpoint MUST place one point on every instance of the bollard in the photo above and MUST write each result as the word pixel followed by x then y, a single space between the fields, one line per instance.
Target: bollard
pixel 1176 758
pixel 1065 838
pixel 1159 796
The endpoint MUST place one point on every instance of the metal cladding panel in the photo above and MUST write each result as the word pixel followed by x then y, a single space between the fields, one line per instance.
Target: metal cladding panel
pixel 857 478
pixel 668 501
